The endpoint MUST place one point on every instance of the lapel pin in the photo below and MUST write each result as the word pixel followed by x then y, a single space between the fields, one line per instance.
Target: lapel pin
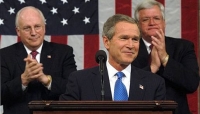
pixel 49 56
pixel 141 86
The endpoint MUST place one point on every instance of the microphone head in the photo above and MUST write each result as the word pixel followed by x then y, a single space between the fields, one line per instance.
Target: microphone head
pixel 101 54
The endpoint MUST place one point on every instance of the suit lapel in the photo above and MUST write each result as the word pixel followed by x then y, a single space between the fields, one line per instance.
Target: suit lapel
pixel 142 58
pixel 137 86
pixel 108 95
pixel 20 54
pixel 47 56
pixel 96 80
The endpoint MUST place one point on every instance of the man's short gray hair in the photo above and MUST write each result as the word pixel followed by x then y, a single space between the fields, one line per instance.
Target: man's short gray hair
pixel 146 4
pixel 109 25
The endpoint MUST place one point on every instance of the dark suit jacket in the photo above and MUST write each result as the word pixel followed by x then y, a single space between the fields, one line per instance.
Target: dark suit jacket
pixel 59 65
pixel 86 85
pixel 180 73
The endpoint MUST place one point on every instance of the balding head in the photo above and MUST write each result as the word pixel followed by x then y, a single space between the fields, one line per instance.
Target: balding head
pixel 22 13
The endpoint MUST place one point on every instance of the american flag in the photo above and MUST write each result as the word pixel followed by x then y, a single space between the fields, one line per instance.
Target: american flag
pixel 79 23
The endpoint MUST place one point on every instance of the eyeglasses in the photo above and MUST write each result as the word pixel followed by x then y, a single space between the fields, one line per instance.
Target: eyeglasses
pixel 155 20
pixel 37 28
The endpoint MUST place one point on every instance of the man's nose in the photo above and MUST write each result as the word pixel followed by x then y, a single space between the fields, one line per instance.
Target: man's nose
pixel 33 31
pixel 130 43
pixel 152 21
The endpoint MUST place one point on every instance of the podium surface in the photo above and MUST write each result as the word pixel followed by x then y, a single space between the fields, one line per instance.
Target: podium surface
pixel 102 107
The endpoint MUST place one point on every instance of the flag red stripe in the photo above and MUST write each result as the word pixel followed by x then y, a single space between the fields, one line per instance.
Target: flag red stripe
pixel 189 23
pixel 161 1
pixel 59 39
pixel 18 39
pixel 123 7
pixel 190 32
pixel 91 46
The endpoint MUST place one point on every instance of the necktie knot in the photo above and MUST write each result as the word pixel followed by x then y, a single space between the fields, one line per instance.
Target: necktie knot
pixel 34 53
pixel 120 75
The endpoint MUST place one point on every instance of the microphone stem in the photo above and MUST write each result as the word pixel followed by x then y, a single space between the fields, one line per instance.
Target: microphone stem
pixel 102 78
pixel 102 88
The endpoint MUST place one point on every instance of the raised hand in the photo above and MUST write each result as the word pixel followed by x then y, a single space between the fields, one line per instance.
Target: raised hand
pixel 159 43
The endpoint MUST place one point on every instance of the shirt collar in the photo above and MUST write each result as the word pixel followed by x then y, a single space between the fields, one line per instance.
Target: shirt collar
pixel 147 44
pixel 38 50
pixel 112 71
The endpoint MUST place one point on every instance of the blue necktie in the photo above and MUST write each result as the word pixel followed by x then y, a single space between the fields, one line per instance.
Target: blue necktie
pixel 120 93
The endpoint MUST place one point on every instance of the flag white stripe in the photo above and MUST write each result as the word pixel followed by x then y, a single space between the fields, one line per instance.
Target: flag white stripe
pixel 106 9
pixel 47 38
pixel 7 40
pixel 134 4
pixel 173 18
pixel 77 42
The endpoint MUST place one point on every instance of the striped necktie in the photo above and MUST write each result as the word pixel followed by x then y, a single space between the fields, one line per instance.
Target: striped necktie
pixel 34 53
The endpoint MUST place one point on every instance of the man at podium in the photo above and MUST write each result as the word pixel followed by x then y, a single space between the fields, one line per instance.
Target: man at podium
pixel 121 81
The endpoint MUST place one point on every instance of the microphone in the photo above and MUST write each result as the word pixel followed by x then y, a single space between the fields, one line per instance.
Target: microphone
pixel 101 58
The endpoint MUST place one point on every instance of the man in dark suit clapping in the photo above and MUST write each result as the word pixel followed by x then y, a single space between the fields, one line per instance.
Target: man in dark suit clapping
pixel 173 59
pixel 33 69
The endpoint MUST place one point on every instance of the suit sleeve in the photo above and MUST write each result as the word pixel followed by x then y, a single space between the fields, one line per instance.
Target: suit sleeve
pixel 161 91
pixel 182 69
pixel 59 80
pixel 11 85
pixel 72 92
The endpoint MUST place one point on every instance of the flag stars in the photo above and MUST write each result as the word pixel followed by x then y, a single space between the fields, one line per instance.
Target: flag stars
pixel 54 10
pixel 11 10
pixel 64 1
pixel 43 1
pixel 76 10
pixel 1 21
pixel 1 1
pixel 86 20
pixel 21 1
pixel 64 22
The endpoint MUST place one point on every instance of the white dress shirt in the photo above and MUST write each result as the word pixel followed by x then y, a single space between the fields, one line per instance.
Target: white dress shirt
pixel 112 77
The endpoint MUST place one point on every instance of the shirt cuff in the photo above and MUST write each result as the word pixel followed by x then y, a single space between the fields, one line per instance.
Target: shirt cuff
pixel 23 87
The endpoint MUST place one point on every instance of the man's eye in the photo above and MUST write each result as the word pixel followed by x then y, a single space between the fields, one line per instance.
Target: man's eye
pixel 26 28
pixel 135 39
pixel 37 26
pixel 124 38
pixel 144 20
pixel 157 18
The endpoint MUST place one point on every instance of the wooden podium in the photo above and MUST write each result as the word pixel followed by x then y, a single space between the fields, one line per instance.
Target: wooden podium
pixel 102 107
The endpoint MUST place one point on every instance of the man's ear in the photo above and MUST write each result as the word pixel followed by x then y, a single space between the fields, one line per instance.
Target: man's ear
pixel 17 31
pixel 106 42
